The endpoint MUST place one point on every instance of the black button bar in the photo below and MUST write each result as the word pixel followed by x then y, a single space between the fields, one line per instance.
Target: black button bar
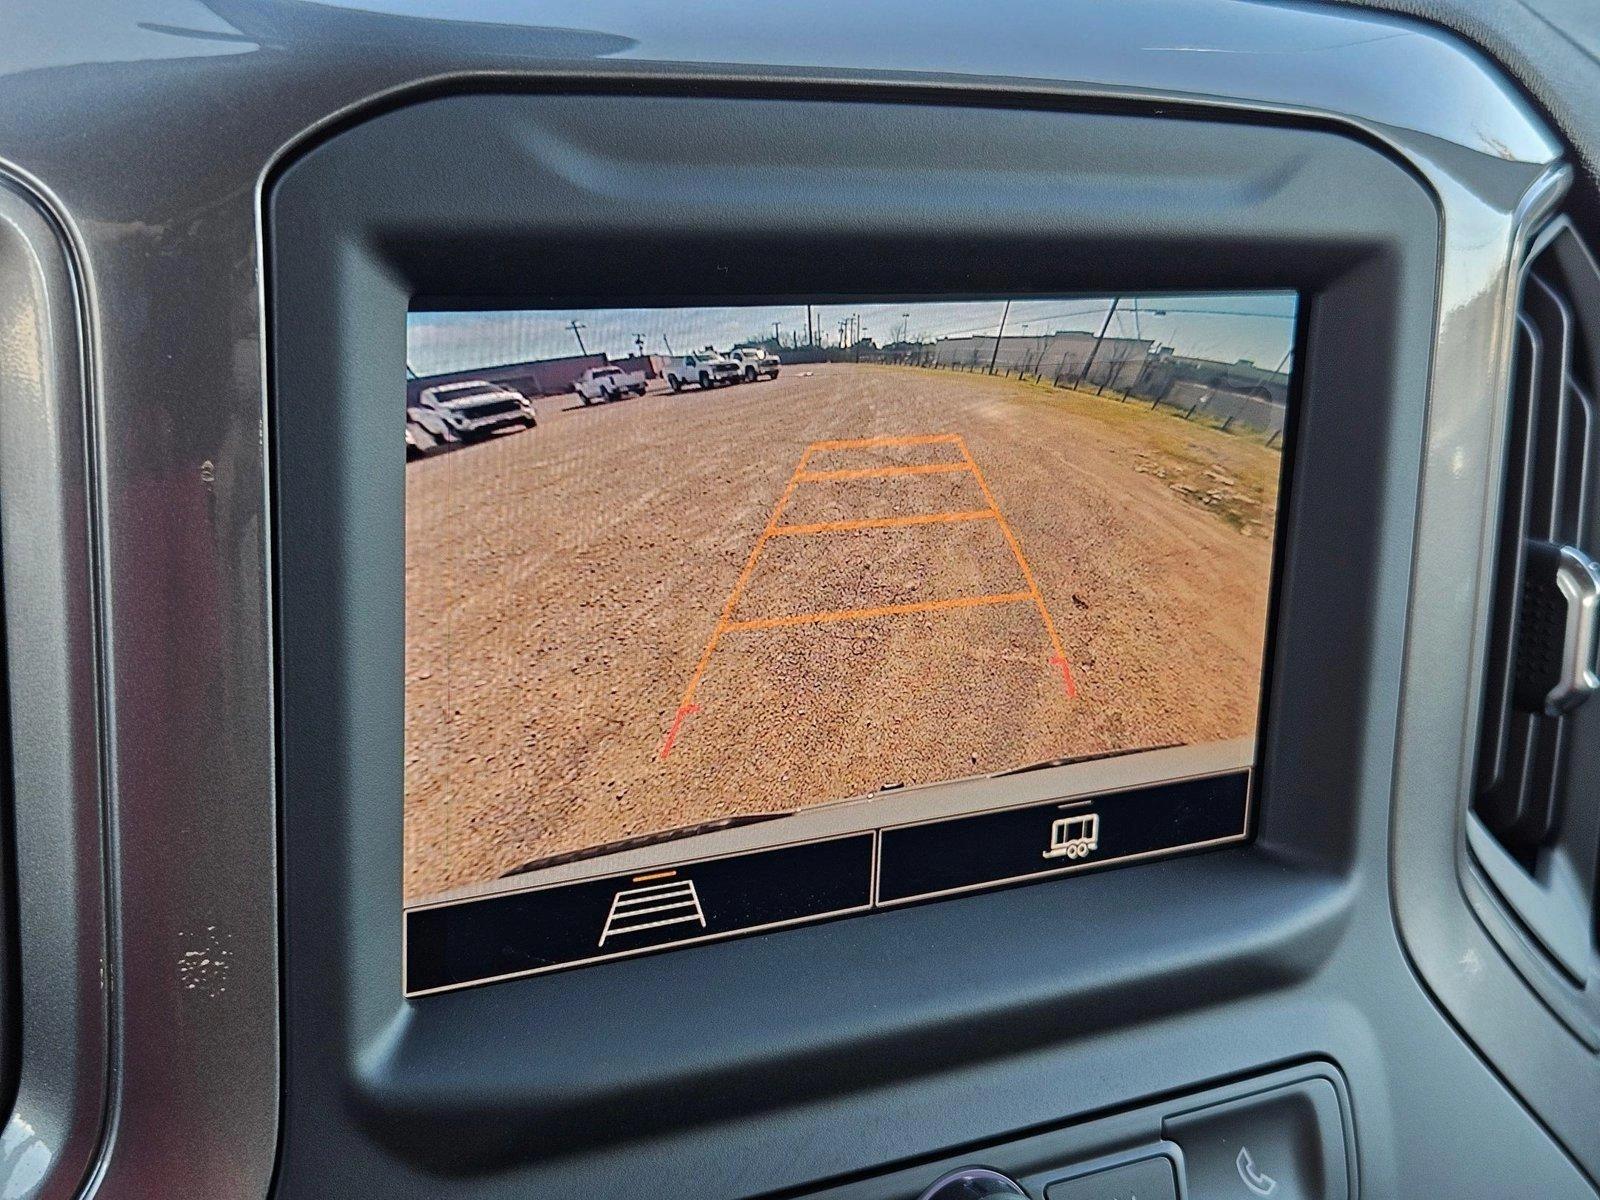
pixel 567 925
pixel 934 858
pixel 563 925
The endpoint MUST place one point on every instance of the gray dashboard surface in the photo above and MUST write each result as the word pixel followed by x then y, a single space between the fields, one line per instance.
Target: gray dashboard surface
pixel 1552 47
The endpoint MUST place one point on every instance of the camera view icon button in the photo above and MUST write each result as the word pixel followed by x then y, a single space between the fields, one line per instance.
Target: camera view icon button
pixel 636 909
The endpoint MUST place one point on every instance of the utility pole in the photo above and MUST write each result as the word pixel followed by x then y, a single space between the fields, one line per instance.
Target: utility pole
pixel 666 341
pixel 858 337
pixel 574 326
pixel 775 336
pixel 995 357
pixel 811 339
pixel 1089 362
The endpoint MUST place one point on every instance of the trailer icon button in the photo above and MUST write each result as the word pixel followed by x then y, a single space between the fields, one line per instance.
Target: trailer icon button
pixel 1075 836
pixel 635 909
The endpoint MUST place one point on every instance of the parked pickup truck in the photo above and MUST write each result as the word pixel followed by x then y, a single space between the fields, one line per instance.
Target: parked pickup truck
pixel 755 363
pixel 704 367
pixel 608 383
pixel 475 408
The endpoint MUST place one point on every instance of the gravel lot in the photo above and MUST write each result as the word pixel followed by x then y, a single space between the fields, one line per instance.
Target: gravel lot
pixel 563 583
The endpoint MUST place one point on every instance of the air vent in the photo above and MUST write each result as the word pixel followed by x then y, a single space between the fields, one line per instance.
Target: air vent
pixel 1545 590
pixel 1536 826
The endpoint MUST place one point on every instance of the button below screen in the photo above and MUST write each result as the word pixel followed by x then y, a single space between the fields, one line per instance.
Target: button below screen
pixel 1285 1144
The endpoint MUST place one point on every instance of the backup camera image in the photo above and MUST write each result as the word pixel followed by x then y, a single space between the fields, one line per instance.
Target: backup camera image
pixel 685 582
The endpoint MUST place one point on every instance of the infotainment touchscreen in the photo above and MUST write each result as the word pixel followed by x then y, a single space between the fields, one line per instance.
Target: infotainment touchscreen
pixel 726 619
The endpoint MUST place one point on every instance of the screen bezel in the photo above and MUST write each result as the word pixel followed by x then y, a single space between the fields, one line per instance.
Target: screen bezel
pixel 351 250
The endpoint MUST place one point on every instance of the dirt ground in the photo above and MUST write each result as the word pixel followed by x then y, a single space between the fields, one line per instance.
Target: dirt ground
pixel 577 673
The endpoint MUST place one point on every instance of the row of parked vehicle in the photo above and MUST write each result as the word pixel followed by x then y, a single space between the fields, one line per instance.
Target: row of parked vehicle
pixel 708 369
pixel 704 369
pixel 458 412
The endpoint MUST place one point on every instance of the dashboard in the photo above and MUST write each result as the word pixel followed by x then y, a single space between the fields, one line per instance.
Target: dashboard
pixel 969 604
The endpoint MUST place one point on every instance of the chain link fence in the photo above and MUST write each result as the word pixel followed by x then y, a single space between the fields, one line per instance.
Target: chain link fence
pixel 1143 380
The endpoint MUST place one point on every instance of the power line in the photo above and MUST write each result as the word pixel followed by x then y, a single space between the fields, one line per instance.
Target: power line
pixel 1218 312
pixel 1148 311
pixel 1082 312
pixel 1171 324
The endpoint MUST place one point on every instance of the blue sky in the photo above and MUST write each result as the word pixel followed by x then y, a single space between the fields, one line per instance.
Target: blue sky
pixel 1258 326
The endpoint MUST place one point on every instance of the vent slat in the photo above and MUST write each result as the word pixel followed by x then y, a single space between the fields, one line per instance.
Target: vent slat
pixel 1549 445
pixel 1537 834
pixel 1497 750
pixel 1582 420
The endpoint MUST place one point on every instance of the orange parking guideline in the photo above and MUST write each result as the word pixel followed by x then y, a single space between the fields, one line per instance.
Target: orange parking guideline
pixel 1060 658
pixel 687 706
pixel 918 439
pixel 684 710
pixel 726 623
pixel 884 610
pixel 980 514
pixel 880 472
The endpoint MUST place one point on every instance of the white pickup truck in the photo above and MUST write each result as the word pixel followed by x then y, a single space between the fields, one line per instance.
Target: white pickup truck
pixel 473 408
pixel 755 363
pixel 704 367
pixel 608 383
